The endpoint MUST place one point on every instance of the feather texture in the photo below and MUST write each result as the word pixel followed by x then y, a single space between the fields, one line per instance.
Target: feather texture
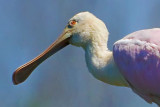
pixel 138 59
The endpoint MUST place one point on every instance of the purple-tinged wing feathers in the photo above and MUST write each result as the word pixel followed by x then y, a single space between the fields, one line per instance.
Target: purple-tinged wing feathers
pixel 138 58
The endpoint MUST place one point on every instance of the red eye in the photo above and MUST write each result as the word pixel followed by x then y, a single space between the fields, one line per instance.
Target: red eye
pixel 73 22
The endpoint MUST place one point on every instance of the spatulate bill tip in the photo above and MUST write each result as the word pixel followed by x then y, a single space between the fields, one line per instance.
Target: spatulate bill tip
pixel 15 82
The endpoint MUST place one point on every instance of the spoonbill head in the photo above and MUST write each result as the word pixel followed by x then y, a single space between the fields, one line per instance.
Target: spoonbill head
pixel 129 65
pixel 87 31
pixel 85 27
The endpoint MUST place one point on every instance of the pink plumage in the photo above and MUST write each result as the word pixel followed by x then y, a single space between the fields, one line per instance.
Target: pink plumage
pixel 138 58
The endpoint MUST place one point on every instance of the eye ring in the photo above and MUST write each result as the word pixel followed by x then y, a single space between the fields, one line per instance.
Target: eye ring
pixel 72 22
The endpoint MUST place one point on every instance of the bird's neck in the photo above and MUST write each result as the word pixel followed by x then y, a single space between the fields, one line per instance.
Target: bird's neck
pixel 101 64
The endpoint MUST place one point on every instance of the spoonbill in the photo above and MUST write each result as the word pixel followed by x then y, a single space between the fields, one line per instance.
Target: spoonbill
pixel 134 61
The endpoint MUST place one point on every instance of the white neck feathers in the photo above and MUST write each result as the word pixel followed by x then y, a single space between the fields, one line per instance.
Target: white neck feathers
pixel 101 64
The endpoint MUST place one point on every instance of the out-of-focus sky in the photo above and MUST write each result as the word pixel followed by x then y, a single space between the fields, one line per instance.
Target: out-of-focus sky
pixel 27 27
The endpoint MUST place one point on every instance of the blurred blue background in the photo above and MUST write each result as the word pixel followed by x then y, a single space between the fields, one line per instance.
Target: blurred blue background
pixel 27 27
